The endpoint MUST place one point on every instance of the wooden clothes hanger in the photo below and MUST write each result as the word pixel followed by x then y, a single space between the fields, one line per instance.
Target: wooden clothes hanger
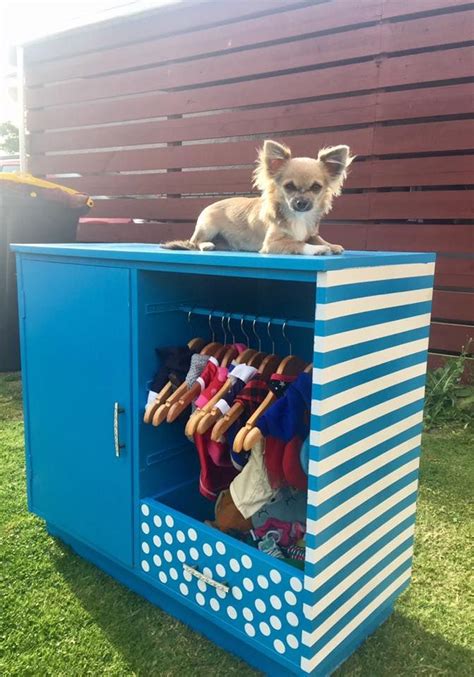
pixel 255 434
pixel 195 344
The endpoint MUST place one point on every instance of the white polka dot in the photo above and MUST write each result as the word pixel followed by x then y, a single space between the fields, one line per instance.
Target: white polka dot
pixel 173 574
pixel 145 528
pixel 200 599
pixel 215 606
pixel 168 538
pixel 248 584
pixel 183 588
pixel 168 556
pixel 221 593
pixel 157 520
pixel 275 622
pixel 275 602
pixel 262 581
pixel 145 565
pixel 187 576
pixel 249 629
pixel 145 510
pixel 202 585
pixel 260 605
pixel 157 541
pixel 181 556
pixel 264 629
pixel 290 597
pixel 246 561
pixel 180 536
pixel 163 577
pixel 157 560
pixel 145 548
pixel 292 642
pixel 207 572
pixel 279 646
pixel 234 565
pixel 292 619
pixel 207 550
pixel 275 576
pixel 192 534
pixel 237 592
pixel 220 547
pixel 248 614
pixel 296 584
pixel 220 570
pixel 169 521
pixel 231 612
pixel 194 553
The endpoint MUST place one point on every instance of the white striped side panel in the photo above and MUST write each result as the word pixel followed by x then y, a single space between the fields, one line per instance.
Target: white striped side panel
pixel 315 554
pixel 325 465
pixel 335 278
pixel 310 664
pixel 375 359
pixel 356 574
pixel 330 311
pixel 324 576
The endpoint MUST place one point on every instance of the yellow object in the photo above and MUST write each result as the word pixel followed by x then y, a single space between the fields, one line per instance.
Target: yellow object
pixel 23 179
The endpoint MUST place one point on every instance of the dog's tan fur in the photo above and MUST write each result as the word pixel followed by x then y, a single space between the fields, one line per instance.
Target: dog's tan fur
pixel 271 223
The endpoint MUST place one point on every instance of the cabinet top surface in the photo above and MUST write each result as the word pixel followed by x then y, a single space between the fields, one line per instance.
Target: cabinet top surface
pixel 153 253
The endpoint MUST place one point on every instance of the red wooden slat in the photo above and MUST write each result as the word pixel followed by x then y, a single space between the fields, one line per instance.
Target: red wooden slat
pixel 347 206
pixel 444 29
pixel 262 121
pixel 421 237
pixel 397 8
pixel 426 67
pixel 424 137
pixel 132 232
pixel 290 24
pixel 454 272
pixel 446 204
pixel 146 25
pixel 436 360
pixel 450 305
pixel 428 171
pixel 196 155
pixel 446 100
pixel 450 337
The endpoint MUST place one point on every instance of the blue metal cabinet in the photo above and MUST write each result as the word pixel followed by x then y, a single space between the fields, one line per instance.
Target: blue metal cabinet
pixel 76 360
pixel 91 318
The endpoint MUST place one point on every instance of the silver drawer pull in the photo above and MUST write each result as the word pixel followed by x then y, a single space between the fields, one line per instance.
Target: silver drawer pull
pixel 117 410
pixel 210 581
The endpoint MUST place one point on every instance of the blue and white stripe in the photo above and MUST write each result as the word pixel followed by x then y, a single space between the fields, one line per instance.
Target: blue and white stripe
pixel 370 353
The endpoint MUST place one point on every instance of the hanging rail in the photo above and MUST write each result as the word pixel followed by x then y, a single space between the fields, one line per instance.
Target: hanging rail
pixel 246 317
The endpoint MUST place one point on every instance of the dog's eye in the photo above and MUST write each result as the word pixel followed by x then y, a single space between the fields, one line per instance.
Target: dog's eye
pixel 290 186
pixel 316 187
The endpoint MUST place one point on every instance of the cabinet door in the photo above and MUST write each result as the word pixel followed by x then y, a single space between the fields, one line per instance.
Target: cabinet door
pixel 77 365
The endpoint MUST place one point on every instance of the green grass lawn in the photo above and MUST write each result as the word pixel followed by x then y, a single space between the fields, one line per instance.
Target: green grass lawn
pixel 62 616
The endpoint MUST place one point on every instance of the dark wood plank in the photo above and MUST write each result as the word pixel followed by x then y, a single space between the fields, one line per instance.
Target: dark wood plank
pixel 449 337
pixel 443 204
pixel 398 8
pixel 438 30
pixel 103 231
pixel 426 67
pixel 453 305
pixel 392 105
pixel 424 137
pixel 295 23
pixel 419 237
pixel 166 20
pixel 455 271
pixel 196 155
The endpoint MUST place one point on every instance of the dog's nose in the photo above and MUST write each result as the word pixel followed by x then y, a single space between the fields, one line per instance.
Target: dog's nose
pixel 301 204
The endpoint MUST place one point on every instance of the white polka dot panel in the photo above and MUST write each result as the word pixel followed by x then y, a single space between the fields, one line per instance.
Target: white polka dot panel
pixel 256 596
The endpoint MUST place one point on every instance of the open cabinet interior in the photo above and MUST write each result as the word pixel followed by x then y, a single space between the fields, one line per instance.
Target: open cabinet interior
pixel 269 315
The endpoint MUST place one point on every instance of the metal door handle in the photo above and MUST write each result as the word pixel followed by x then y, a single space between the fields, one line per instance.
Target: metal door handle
pixel 117 410
pixel 202 577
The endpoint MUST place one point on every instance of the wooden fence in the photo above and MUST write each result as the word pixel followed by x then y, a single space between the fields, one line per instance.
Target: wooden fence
pixel 160 112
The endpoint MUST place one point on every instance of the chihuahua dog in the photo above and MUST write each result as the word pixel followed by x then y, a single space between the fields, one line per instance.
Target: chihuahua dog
pixel 295 194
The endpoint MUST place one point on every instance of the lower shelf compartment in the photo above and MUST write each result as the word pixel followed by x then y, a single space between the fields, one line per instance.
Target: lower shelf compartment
pixel 256 595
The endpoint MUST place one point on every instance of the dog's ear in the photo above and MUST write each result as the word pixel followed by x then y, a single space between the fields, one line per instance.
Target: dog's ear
pixel 275 156
pixel 336 160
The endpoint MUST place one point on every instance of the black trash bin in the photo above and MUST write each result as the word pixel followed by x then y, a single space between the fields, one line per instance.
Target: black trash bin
pixel 31 210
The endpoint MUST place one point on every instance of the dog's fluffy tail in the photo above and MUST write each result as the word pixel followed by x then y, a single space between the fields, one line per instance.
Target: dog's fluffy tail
pixel 180 244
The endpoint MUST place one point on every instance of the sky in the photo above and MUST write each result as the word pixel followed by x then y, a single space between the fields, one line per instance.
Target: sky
pixel 22 21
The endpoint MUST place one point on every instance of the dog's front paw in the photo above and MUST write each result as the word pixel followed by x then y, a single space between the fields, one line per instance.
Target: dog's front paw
pixel 336 248
pixel 316 249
